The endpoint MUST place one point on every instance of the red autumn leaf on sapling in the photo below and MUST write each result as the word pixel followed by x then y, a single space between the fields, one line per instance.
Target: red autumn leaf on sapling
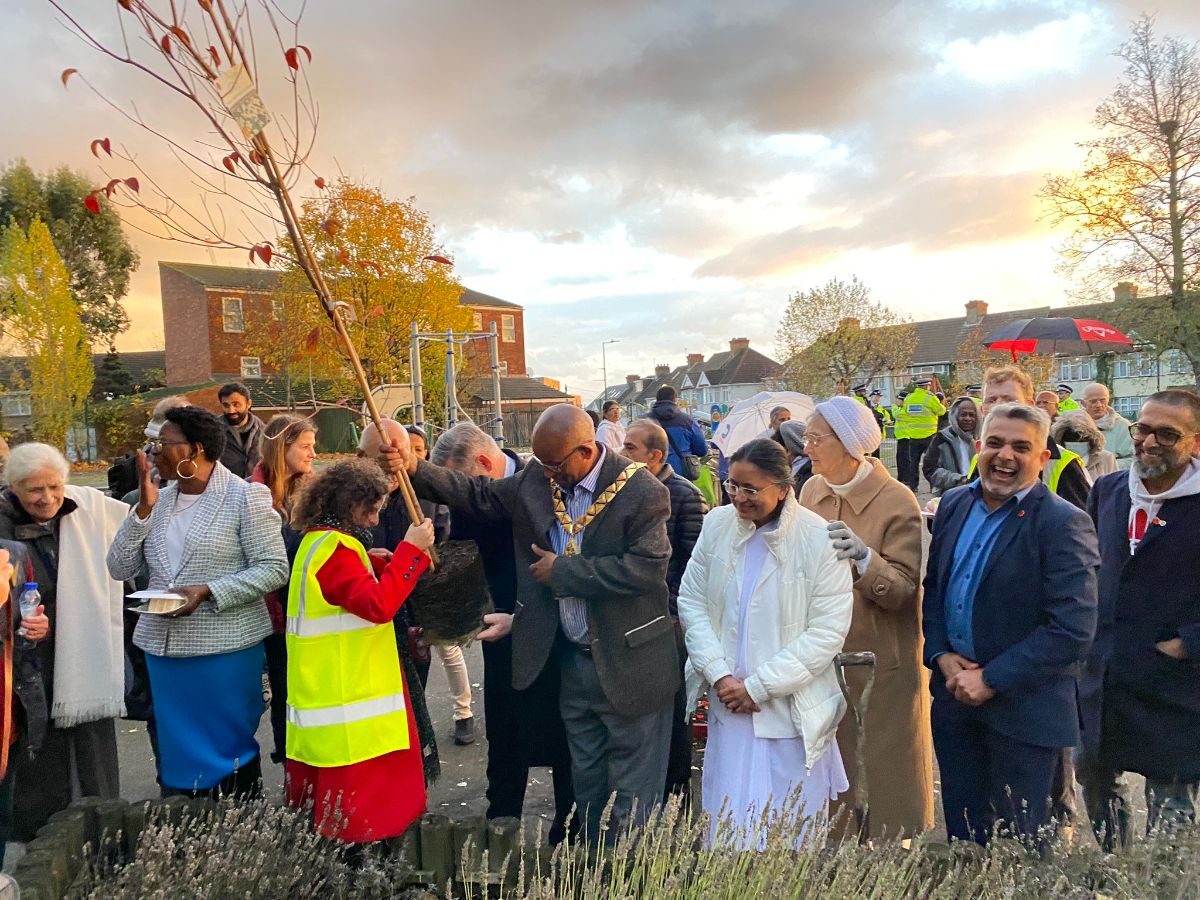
pixel 369 264
pixel 214 56
pixel 343 257
pixel 182 35
pixel 433 257
pixel 314 337
pixel 133 185
pixel 376 312
pixel 165 43
pixel 293 58
pixel 104 144
pixel 108 188
pixel 66 75
pixel 330 227
pixel 231 161
pixel 92 202
pixel 319 182
pixel 256 158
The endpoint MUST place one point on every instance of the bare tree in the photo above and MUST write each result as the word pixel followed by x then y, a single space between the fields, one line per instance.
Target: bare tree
pixel 835 336
pixel 1135 205
pixel 213 56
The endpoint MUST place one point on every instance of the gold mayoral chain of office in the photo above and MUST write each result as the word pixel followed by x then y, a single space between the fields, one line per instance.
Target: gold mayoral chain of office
pixel 573 526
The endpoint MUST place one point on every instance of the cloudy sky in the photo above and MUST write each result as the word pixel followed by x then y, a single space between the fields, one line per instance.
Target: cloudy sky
pixel 667 172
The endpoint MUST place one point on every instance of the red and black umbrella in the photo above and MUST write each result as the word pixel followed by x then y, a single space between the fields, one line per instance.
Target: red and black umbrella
pixel 1074 337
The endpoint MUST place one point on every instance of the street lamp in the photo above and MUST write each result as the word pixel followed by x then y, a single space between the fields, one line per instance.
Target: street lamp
pixel 604 368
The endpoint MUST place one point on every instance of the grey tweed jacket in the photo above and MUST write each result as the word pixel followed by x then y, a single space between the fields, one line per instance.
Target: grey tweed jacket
pixel 234 545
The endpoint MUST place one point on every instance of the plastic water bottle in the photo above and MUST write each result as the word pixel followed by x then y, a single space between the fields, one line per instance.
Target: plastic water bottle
pixel 30 601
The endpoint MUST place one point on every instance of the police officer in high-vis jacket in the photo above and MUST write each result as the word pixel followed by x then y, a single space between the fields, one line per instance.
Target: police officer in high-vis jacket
pixel 921 410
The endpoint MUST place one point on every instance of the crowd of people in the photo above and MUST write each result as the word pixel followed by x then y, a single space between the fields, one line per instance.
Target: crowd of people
pixel 1047 636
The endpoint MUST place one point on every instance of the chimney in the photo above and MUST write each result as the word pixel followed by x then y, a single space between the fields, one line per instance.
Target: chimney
pixel 632 379
pixel 661 372
pixel 976 310
pixel 739 344
pixel 694 359
pixel 1125 290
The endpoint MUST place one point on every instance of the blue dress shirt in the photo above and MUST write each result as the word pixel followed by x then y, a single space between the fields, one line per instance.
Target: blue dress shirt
pixel 971 553
pixel 572 611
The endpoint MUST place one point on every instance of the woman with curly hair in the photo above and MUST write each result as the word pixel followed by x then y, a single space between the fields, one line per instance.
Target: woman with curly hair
pixel 352 745
pixel 289 447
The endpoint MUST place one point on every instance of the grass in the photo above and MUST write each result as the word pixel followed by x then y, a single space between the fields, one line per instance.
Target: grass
pixel 257 850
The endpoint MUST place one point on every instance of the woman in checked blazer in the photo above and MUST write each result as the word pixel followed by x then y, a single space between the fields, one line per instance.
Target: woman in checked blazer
pixel 215 540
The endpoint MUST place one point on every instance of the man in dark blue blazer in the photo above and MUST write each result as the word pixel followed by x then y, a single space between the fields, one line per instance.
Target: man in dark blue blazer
pixel 1009 611
pixel 1140 692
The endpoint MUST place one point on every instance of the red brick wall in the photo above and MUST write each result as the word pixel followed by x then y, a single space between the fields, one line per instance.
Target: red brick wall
pixel 513 353
pixel 185 328
pixel 228 347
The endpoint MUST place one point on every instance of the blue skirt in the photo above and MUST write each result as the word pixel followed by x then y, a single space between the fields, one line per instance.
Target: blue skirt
pixel 207 710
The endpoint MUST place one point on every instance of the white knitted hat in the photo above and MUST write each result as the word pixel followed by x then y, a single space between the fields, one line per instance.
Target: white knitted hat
pixel 853 423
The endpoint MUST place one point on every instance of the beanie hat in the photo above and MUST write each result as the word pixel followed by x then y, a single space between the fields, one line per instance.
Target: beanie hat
pixel 792 434
pixel 853 423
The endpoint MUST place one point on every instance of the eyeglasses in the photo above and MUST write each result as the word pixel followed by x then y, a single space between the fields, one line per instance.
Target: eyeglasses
pixel 1164 437
pixel 157 446
pixel 732 488
pixel 815 437
pixel 555 468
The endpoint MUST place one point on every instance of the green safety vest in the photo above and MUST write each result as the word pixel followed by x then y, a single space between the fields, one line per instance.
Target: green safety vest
pixel 345 699
pixel 1069 404
pixel 1051 472
pixel 921 412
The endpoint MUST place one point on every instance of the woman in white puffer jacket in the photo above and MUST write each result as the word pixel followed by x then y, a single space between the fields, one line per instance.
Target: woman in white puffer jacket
pixel 766 605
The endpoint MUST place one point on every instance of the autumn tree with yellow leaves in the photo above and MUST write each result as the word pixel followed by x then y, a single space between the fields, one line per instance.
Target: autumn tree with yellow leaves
pixel 379 257
pixel 42 323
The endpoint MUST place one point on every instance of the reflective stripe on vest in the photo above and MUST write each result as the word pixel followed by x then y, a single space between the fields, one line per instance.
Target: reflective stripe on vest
pixel 345 713
pixel 345 690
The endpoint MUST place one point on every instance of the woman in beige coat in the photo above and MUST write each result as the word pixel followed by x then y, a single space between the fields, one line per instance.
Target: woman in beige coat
pixel 875 524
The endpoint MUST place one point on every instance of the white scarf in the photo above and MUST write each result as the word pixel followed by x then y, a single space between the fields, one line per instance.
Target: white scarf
pixel 89 675
pixel 1149 504
pixel 860 475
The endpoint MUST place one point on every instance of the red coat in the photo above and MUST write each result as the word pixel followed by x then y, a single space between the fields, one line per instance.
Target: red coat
pixel 377 798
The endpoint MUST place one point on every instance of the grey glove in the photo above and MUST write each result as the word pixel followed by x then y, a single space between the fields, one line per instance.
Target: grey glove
pixel 846 543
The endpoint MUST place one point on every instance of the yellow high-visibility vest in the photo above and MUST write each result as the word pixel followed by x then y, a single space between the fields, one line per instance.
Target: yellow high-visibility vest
pixel 1051 472
pixel 345 691
pixel 1068 404
pixel 922 410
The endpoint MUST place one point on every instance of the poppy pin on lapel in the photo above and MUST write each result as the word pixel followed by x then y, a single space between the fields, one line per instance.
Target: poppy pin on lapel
pixel 1159 522
pixel 1020 513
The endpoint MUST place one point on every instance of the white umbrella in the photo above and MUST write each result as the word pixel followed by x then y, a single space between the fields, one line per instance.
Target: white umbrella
pixel 751 417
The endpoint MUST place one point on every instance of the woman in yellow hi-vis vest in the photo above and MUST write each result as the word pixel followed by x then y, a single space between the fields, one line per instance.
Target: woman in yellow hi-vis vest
pixel 352 746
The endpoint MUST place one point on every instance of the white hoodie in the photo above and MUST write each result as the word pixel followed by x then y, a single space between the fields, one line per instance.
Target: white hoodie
pixel 1145 505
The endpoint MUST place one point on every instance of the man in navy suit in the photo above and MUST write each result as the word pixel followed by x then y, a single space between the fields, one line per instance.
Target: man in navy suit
pixel 1141 688
pixel 1009 611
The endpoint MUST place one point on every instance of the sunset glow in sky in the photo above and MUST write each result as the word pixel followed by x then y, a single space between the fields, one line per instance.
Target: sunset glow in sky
pixel 664 172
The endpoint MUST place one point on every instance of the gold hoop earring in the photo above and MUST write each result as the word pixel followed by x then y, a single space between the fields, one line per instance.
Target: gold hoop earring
pixel 195 469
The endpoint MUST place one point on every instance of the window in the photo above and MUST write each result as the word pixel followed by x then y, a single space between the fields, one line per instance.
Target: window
pixel 251 367
pixel 1075 368
pixel 477 322
pixel 1129 407
pixel 508 329
pixel 1176 363
pixel 504 372
pixel 16 404
pixel 231 315
pixel 1136 365
pixel 277 309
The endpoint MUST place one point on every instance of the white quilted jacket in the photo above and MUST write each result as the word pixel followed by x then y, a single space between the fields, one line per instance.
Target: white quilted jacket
pixel 798 620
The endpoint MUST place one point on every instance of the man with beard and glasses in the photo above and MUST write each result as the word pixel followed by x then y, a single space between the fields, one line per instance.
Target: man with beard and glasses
pixel 243 430
pixel 1004 661
pixel 1140 693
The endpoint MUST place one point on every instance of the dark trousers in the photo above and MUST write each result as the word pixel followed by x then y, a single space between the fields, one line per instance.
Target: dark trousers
pixel 990 782
pixel 908 460
pixel 679 756
pixel 524 728
pixel 611 753
pixel 1168 802
pixel 275 646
